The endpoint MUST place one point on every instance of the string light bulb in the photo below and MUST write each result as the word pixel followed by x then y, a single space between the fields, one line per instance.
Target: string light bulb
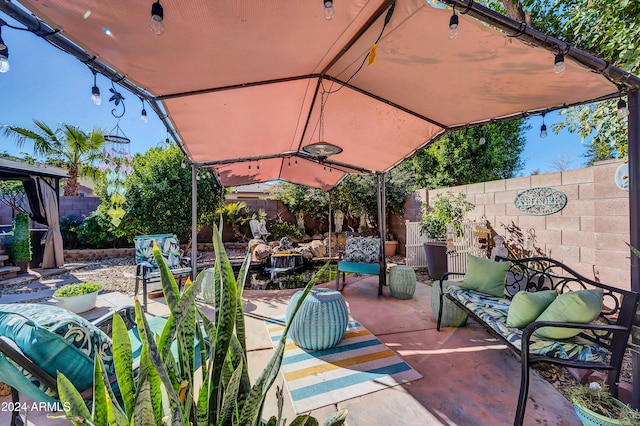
pixel 329 11
pixel 4 55
pixel 623 111
pixel 453 26
pixel 483 140
pixel 95 91
pixel 543 128
pixel 157 18
pixel 558 64
pixel 143 115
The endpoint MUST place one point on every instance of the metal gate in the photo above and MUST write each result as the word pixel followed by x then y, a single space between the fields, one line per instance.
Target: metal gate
pixel 457 247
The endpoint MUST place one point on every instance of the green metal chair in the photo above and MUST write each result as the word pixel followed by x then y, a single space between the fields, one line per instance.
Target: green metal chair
pixel 361 255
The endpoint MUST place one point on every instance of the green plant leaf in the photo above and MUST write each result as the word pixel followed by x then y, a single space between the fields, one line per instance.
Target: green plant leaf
pixel 304 420
pixel 230 397
pixel 337 419
pixel 74 406
pixel 99 409
pixel 123 361
pixel 225 322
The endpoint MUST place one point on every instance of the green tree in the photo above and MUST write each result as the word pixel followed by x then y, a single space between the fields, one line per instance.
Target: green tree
pixel 462 157
pixel 159 194
pixel 355 195
pixel 68 146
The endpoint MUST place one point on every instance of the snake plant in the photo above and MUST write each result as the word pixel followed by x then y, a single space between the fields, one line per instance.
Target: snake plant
pixel 165 389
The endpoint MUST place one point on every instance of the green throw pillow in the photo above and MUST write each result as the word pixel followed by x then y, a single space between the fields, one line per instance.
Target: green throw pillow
pixel 486 276
pixel 581 306
pixel 526 306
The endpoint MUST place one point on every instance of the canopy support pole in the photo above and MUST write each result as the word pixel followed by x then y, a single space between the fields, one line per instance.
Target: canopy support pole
pixel 194 222
pixel 633 136
pixel 330 224
pixel 382 226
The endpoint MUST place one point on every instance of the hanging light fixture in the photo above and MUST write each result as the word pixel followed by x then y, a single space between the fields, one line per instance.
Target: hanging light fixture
pixel 322 149
pixel 329 11
pixel 543 128
pixel 483 140
pixel 623 111
pixel 4 54
pixel 95 91
pixel 143 115
pixel 157 18
pixel 453 25
pixel 558 65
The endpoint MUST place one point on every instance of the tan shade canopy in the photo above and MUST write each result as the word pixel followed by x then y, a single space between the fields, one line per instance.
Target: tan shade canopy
pixel 245 83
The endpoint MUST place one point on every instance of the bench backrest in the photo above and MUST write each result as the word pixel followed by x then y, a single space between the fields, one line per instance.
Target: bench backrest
pixel 362 250
pixel 168 245
pixel 541 273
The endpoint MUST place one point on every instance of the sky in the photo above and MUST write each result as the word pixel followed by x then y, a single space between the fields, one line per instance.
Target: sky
pixel 49 85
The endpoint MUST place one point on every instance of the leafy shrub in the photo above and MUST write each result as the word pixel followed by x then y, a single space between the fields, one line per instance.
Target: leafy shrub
pixel 285 229
pixel 21 240
pixel 68 229
pixel 96 230
pixel 78 289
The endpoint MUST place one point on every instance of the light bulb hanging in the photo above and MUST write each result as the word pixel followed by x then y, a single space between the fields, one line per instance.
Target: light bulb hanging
pixel 543 128
pixel 95 91
pixel 483 140
pixel 329 11
pixel 623 111
pixel 157 19
pixel 558 65
pixel 453 26
pixel 4 55
pixel 143 115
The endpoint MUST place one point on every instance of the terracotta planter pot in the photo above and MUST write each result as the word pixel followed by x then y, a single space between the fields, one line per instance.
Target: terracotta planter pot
pixel 390 248
pixel 436 253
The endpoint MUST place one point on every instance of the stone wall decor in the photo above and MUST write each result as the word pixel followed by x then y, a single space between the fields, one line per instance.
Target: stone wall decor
pixel 540 201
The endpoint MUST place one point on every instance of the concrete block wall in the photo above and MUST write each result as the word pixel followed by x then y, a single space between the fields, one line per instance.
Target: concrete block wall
pixel 588 235
pixel 69 206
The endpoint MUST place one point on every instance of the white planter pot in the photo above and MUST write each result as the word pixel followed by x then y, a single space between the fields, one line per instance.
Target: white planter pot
pixel 78 304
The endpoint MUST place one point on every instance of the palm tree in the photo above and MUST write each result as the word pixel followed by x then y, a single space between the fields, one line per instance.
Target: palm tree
pixel 67 146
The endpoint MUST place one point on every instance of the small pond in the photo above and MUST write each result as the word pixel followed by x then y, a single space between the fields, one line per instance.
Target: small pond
pixel 267 279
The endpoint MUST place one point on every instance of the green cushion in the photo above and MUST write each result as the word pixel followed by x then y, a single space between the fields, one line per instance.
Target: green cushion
pixel 581 306
pixel 486 276
pixel 526 306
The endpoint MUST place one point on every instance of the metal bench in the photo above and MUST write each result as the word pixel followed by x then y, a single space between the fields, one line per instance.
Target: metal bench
pixel 600 345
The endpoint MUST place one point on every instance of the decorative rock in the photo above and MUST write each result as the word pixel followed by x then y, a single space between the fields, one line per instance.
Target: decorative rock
pixel 402 282
pixel 321 320
pixel 451 314
pixel 318 248
pixel 306 253
pixel 261 252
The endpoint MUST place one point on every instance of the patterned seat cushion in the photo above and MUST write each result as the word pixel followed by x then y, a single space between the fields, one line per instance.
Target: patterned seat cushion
pixel 493 311
pixel 56 340
pixel 362 249
pixel 168 245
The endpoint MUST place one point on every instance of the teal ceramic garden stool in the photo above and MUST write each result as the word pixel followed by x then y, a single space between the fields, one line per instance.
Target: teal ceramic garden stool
pixel 321 320
pixel 402 282
pixel 452 315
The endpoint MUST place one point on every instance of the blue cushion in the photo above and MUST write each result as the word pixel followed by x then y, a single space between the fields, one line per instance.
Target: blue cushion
pixel 360 268
pixel 362 249
pixel 56 340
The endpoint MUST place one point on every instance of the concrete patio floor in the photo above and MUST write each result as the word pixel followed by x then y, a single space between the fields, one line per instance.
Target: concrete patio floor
pixel 469 378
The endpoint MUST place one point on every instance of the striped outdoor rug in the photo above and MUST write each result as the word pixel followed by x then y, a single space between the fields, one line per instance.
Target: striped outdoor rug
pixel 358 365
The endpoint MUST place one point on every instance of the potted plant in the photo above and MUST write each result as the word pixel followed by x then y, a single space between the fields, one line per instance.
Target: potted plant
pixel 78 297
pixel 21 242
pixel 390 246
pixel 448 209
pixel 594 405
